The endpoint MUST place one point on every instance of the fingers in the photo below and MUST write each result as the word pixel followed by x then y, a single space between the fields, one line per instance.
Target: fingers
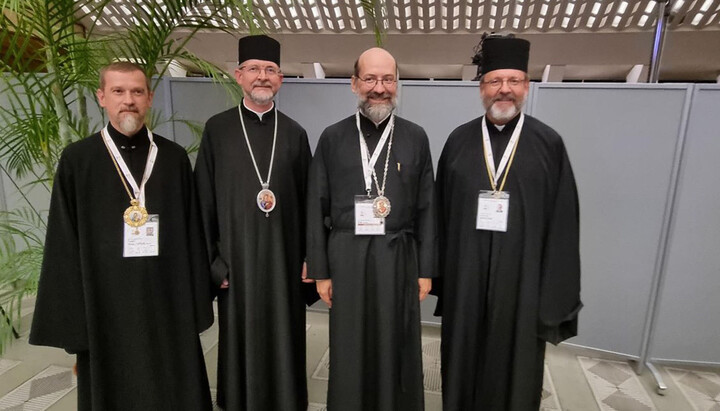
pixel 424 287
pixel 225 284
pixel 324 288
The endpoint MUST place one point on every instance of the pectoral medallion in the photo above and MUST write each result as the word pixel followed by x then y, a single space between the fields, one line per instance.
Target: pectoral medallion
pixel 381 206
pixel 135 215
pixel 266 201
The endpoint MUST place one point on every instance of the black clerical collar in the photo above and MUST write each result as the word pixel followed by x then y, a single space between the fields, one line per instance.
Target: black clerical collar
pixel 365 122
pixel 260 117
pixel 507 128
pixel 123 142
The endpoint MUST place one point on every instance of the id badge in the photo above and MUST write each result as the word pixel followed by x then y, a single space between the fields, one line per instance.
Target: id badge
pixel 365 221
pixel 142 241
pixel 492 213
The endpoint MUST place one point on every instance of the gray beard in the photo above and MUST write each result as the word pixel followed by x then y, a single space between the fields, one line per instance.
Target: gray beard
pixel 375 112
pixel 503 115
pixel 130 124
pixel 260 97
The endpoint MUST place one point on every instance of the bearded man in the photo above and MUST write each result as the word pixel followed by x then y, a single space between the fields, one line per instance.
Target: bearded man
pixel 372 244
pixel 251 175
pixel 509 248
pixel 126 289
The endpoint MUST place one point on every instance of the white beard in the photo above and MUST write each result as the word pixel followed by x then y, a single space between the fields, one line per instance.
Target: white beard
pixel 130 123
pixel 504 116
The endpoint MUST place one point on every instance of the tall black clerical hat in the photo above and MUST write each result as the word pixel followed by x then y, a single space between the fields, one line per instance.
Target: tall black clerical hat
pixel 260 48
pixel 497 52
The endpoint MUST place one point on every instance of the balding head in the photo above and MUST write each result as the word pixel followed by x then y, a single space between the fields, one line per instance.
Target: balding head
pixel 373 56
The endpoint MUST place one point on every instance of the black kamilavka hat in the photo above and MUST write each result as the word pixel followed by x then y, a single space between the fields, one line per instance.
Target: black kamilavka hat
pixel 259 48
pixel 501 52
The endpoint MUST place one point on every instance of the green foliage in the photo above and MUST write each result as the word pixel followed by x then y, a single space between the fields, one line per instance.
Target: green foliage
pixel 373 11
pixel 50 55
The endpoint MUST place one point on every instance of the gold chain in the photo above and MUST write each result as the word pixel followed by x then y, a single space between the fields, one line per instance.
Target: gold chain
pixel 112 157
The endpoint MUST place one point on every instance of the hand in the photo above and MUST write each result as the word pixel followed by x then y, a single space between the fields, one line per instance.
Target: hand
pixel 304 275
pixel 424 285
pixel 324 288
pixel 225 284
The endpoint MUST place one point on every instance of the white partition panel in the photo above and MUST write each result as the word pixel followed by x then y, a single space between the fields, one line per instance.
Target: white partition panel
pixel 439 107
pixel 195 100
pixel 621 141
pixel 316 104
pixel 687 327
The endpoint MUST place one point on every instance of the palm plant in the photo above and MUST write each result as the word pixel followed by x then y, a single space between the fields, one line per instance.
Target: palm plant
pixel 50 54
pixel 374 10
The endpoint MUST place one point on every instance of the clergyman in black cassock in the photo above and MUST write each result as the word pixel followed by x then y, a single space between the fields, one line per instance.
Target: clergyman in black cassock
pixel 373 283
pixel 256 241
pixel 133 322
pixel 505 293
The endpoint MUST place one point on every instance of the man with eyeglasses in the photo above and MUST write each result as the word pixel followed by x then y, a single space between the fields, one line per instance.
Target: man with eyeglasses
pixel 251 175
pixel 372 244
pixel 509 252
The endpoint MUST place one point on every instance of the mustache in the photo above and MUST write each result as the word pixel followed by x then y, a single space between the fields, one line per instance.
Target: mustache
pixel 376 95
pixel 129 110
pixel 261 83
pixel 504 98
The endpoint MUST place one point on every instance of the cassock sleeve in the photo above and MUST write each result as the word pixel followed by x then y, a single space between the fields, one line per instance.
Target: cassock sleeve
pixel 59 319
pixel 560 283
pixel 425 222
pixel 205 184
pixel 200 278
pixel 309 290
pixel 318 214
pixel 437 286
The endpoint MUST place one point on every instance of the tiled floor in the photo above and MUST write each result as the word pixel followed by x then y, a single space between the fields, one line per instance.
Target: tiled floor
pixel 40 378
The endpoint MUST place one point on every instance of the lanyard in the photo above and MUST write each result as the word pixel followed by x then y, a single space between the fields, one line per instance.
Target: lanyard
pixel 119 161
pixel 369 165
pixel 507 157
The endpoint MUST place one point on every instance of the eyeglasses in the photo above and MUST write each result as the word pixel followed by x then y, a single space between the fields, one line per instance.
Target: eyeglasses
pixel 371 82
pixel 270 71
pixel 498 82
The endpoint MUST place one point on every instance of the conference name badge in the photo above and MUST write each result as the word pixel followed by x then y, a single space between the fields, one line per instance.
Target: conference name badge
pixel 366 222
pixel 142 241
pixel 492 212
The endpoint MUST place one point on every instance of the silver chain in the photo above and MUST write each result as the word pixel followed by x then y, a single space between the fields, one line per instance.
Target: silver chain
pixel 381 192
pixel 272 156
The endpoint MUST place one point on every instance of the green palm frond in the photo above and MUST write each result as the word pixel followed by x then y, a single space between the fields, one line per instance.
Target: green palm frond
pixel 373 12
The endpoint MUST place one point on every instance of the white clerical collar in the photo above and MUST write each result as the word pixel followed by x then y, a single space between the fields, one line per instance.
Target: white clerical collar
pixel 499 127
pixel 260 114
pixel 380 122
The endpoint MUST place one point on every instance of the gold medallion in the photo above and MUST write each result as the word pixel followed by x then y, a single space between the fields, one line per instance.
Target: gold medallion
pixel 381 206
pixel 135 215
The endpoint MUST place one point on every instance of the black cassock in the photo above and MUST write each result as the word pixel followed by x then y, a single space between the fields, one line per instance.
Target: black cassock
pixel 504 294
pixel 133 322
pixel 261 364
pixel 375 351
